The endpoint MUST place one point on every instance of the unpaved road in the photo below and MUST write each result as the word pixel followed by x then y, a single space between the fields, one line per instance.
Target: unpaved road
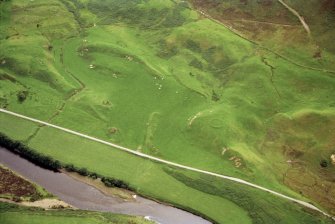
pixel 302 20
pixel 300 202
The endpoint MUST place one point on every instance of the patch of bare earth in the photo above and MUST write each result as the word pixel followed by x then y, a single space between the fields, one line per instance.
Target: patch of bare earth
pixel 47 203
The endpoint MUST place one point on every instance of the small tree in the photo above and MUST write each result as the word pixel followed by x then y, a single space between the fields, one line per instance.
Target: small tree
pixel 22 96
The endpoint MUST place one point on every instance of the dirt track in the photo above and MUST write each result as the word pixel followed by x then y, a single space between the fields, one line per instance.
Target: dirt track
pixel 302 20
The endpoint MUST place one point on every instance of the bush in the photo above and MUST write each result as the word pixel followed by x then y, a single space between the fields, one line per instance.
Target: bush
pixel 110 182
pixel 83 172
pixel 324 163
pixel 93 175
pixel 70 168
pixel 22 96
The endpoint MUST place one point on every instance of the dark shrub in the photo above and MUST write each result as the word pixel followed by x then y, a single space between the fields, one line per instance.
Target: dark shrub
pixel 93 175
pixel 110 182
pixel 70 168
pixel 22 96
pixel 323 163
pixel 83 172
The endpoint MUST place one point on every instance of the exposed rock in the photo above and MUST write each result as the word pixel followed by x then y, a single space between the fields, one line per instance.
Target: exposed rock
pixel 224 150
pixel 48 203
pixel 332 158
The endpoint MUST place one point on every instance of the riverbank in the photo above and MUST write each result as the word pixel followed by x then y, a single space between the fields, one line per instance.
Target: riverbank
pixel 91 178
pixel 12 213
pixel 86 197
pixel 120 193
pixel 47 203
pixel 18 190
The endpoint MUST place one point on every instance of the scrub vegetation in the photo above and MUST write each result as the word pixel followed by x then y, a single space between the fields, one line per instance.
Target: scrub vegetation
pixel 15 188
pixel 223 86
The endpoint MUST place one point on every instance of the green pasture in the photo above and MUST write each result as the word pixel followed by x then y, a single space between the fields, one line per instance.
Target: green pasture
pixel 210 197
pixel 157 77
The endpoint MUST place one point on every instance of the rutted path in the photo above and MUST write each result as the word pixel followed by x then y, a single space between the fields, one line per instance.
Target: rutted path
pixel 234 179
pixel 302 20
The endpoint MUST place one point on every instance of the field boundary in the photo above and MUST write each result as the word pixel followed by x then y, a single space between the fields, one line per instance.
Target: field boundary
pixel 143 155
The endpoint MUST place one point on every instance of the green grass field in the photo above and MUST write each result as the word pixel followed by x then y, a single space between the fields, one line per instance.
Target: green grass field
pixel 204 195
pixel 10 214
pixel 158 77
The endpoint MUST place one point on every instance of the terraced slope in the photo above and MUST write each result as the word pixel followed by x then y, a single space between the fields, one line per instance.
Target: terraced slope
pixel 165 79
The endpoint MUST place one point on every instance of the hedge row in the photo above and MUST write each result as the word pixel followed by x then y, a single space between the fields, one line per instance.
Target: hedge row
pixel 20 149
pixel 109 182
pixel 48 162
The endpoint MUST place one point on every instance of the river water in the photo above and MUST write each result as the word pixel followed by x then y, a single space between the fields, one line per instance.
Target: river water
pixel 86 197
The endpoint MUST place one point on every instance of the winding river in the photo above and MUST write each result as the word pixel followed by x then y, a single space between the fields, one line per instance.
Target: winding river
pixel 86 197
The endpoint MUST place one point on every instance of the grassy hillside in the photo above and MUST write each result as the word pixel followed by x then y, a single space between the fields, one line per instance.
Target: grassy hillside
pixel 275 27
pixel 188 190
pixel 162 78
